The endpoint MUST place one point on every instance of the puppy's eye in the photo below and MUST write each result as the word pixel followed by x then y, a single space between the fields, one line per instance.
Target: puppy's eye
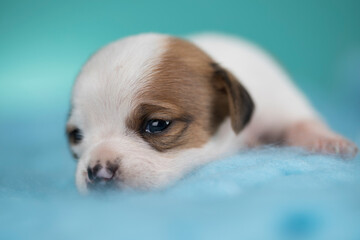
pixel 75 136
pixel 156 125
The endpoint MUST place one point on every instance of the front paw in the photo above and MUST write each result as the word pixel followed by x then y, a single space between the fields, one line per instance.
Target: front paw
pixel 335 145
pixel 317 138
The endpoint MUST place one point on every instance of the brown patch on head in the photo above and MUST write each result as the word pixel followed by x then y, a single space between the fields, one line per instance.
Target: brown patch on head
pixel 192 92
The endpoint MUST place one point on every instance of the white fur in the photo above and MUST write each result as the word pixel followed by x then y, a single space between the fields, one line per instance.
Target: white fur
pixel 105 91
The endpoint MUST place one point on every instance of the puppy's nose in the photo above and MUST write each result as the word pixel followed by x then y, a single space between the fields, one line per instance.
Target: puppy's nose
pixel 102 174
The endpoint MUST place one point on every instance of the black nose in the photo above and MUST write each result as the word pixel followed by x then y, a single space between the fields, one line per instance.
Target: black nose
pixel 102 174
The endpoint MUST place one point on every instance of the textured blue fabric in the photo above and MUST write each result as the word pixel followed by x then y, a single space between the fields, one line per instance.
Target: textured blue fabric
pixel 266 193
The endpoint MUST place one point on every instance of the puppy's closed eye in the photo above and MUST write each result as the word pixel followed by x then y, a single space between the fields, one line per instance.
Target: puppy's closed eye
pixel 75 135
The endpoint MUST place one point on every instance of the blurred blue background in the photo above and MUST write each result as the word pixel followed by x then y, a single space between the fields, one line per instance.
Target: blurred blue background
pixel 265 194
pixel 44 43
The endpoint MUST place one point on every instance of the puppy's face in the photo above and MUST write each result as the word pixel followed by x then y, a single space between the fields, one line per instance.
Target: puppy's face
pixel 143 108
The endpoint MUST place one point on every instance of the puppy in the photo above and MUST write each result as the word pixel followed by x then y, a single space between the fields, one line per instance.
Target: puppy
pixel 148 108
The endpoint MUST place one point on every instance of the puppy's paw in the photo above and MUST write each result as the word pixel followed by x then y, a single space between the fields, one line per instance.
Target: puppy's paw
pixel 315 137
pixel 335 145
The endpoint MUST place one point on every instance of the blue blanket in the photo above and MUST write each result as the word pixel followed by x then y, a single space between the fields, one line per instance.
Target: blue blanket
pixel 266 193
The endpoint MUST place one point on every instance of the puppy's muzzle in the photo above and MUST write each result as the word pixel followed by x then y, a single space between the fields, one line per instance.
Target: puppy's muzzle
pixel 102 177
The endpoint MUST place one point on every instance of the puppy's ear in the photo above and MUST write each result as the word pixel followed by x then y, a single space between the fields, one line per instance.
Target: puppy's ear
pixel 241 106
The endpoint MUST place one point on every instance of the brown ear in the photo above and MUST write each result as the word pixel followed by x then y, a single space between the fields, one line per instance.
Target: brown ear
pixel 241 106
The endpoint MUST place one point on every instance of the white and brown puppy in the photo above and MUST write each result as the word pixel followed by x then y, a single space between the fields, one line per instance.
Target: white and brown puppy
pixel 148 108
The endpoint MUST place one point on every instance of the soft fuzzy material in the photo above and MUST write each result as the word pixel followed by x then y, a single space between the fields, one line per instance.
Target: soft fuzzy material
pixel 267 193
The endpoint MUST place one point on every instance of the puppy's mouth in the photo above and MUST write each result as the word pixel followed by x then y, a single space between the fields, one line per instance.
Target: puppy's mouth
pixel 102 185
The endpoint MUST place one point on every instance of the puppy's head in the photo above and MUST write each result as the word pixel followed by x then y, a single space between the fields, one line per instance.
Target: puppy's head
pixel 144 106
